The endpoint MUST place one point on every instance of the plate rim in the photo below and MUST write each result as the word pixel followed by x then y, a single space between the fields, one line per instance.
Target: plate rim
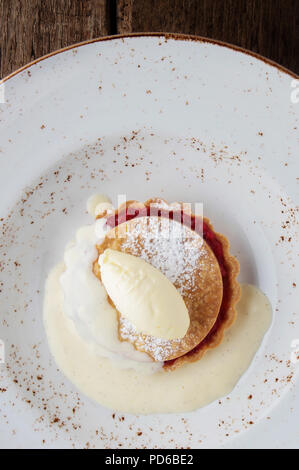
pixel 153 43
pixel 175 36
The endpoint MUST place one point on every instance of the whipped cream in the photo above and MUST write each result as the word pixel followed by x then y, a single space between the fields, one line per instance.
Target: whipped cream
pixel 97 204
pixel 85 302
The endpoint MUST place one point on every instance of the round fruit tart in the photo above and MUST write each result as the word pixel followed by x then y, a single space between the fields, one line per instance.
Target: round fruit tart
pixel 195 258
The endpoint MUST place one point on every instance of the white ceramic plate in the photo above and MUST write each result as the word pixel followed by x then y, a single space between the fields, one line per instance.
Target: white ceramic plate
pixel 179 118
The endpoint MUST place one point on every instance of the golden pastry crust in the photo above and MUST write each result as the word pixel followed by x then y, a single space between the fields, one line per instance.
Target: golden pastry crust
pixel 233 292
pixel 176 251
pixel 209 324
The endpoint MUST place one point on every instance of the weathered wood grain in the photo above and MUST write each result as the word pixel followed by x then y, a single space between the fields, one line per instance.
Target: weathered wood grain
pixel 32 28
pixel 268 27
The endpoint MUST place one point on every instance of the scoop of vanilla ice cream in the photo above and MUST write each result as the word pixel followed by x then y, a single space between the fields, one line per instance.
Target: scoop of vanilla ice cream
pixel 143 295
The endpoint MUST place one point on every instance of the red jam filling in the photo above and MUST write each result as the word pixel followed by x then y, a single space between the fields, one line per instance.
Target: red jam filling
pixel 208 235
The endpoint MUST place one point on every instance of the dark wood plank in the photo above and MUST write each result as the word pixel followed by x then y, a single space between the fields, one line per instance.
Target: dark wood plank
pixel 32 28
pixel 268 27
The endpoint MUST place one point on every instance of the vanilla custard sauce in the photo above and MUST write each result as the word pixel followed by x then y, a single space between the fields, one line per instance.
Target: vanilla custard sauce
pixel 187 388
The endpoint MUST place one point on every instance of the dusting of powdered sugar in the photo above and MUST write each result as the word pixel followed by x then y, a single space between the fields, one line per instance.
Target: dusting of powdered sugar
pixel 177 251
pixel 160 349
pixel 169 246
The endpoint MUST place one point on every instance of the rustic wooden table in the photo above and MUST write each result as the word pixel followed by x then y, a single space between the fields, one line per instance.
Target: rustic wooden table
pixel 32 28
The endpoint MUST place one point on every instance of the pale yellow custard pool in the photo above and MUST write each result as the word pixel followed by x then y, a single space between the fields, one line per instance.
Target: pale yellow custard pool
pixel 112 372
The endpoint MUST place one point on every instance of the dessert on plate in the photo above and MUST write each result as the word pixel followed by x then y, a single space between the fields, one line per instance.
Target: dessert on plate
pixel 197 261
pixel 142 313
